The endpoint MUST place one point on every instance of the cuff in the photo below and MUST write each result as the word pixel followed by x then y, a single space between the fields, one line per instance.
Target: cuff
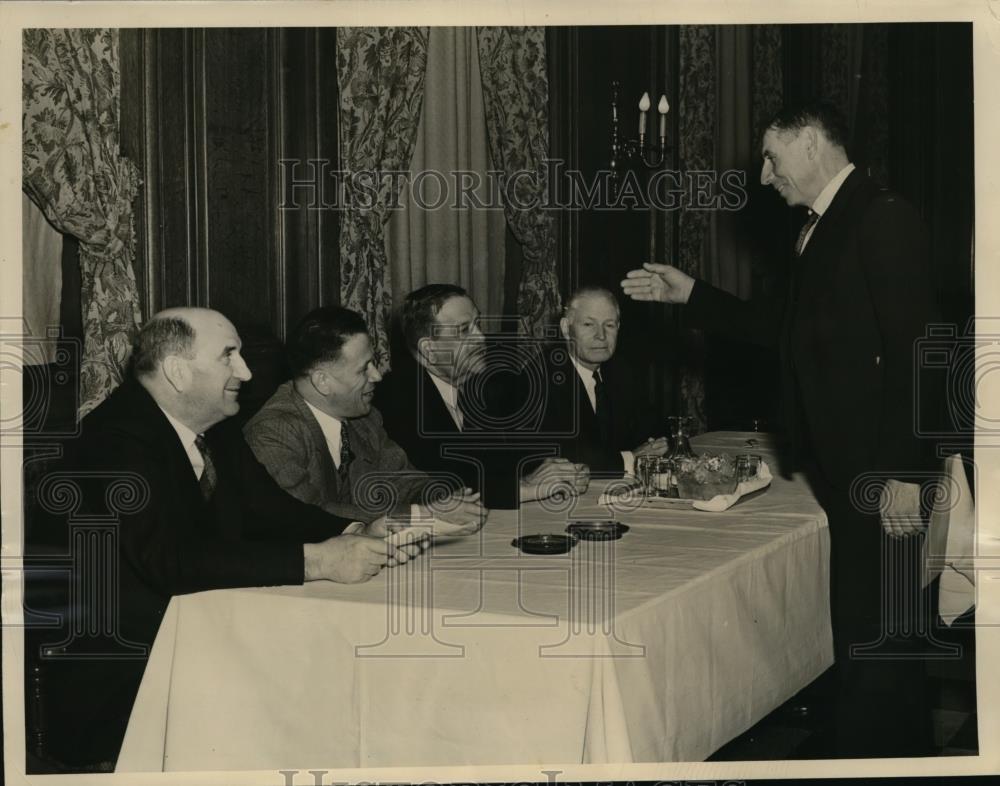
pixel 628 459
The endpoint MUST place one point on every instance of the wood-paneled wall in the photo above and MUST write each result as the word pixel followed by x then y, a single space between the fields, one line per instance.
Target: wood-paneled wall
pixel 234 131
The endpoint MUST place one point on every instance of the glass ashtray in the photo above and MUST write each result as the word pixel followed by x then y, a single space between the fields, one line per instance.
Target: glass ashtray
pixel 544 544
pixel 597 530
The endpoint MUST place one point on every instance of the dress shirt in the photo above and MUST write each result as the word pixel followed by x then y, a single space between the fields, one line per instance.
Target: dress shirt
pixel 187 438
pixel 590 385
pixel 826 197
pixel 331 427
pixel 449 394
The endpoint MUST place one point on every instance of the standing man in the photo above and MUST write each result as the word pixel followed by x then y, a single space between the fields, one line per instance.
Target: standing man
pixel 437 405
pixel 590 398
pixel 859 298
pixel 201 514
pixel 322 440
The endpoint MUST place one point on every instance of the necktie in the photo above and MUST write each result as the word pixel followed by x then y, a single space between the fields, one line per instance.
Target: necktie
pixel 800 244
pixel 602 406
pixel 346 456
pixel 208 479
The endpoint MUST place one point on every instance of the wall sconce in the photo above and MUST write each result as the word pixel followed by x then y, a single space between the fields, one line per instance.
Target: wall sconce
pixel 652 156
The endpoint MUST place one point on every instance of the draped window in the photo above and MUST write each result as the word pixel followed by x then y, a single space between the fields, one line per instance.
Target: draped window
pixel 380 72
pixel 432 243
pixel 73 171
pixel 516 92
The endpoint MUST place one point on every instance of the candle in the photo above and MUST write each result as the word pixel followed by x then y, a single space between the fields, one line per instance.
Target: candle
pixel 663 107
pixel 643 109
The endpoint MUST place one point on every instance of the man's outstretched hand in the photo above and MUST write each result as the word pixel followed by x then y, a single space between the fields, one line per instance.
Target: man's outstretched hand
pixel 662 283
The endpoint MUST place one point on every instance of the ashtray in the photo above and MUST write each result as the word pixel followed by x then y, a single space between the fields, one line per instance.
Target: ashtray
pixel 597 530
pixel 544 544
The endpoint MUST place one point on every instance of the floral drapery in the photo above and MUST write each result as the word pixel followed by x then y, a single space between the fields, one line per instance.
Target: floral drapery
pixel 74 172
pixel 516 93
pixel 380 73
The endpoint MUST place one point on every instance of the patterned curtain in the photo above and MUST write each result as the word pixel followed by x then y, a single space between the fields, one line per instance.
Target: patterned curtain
pixel 516 92
pixel 697 112
pixel 74 172
pixel 380 73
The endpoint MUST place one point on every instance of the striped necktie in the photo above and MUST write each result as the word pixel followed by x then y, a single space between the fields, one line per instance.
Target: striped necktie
pixel 209 479
pixel 800 244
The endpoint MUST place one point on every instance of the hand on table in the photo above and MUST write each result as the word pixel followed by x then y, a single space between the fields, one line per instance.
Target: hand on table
pixel 652 447
pixel 460 513
pixel 555 476
pixel 662 283
pixel 350 559
pixel 899 509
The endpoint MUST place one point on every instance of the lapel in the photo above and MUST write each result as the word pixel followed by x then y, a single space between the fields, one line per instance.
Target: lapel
pixel 317 444
pixel 147 417
pixel 819 257
pixel 435 411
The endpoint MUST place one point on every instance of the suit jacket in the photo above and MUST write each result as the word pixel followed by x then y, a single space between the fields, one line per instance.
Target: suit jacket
pixel 860 297
pixel 169 541
pixel 287 439
pixel 570 422
pixel 480 457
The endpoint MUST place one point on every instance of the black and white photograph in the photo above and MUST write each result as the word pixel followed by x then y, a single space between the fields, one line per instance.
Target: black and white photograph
pixel 424 393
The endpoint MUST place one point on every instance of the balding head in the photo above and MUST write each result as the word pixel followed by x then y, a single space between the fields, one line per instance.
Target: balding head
pixel 189 360
pixel 591 324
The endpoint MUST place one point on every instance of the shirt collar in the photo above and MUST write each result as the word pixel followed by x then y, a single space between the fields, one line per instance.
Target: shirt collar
pixel 448 391
pixel 585 373
pixel 186 435
pixel 329 425
pixel 829 191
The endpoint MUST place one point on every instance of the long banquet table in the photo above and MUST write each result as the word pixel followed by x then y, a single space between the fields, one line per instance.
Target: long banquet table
pixel 661 646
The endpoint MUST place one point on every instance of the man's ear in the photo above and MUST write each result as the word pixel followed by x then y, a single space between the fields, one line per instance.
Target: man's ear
pixel 424 352
pixel 177 372
pixel 319 381
pixel 564 327
pixel 810 137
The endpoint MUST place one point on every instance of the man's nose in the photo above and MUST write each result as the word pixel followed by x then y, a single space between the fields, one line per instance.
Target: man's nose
pixel 374 374
pixel 766 173
pixel 240 368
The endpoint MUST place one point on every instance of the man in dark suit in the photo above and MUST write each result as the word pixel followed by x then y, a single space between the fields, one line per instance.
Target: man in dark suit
pixel 439 405
pixel 323 442
pixel 591 408
pixel 198 513
pixel 860 297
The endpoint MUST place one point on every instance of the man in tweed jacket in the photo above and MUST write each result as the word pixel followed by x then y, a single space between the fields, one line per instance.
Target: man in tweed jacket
pixel 324 443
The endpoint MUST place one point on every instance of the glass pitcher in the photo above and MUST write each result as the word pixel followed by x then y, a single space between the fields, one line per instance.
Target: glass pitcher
pixel 679 428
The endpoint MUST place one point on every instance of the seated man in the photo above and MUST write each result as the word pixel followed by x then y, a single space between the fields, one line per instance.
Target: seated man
pixel 202 514
pixel 591 408
pixel 323 442
pixel 428 411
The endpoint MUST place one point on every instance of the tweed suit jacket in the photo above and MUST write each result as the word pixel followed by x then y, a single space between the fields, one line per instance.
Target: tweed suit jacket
pixel 287 439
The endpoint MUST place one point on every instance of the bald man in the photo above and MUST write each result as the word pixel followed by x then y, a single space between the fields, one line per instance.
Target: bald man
pixel 212 518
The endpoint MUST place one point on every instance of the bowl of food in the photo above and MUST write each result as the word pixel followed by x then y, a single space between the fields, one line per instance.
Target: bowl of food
pixel 706 476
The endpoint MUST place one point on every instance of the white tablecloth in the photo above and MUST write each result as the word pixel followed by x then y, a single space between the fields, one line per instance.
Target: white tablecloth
pixel 661 646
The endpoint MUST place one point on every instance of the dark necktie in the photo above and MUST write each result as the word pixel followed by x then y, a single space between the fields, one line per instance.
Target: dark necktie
pixel 346 456
pixel 602 406
pixel 800 244
pixel 208 479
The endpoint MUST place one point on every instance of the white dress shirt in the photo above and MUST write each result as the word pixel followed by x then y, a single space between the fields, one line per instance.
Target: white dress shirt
pixel 826 196
pixel 449 394
pixel 187 438
pixel 331 428
pixel 590 385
